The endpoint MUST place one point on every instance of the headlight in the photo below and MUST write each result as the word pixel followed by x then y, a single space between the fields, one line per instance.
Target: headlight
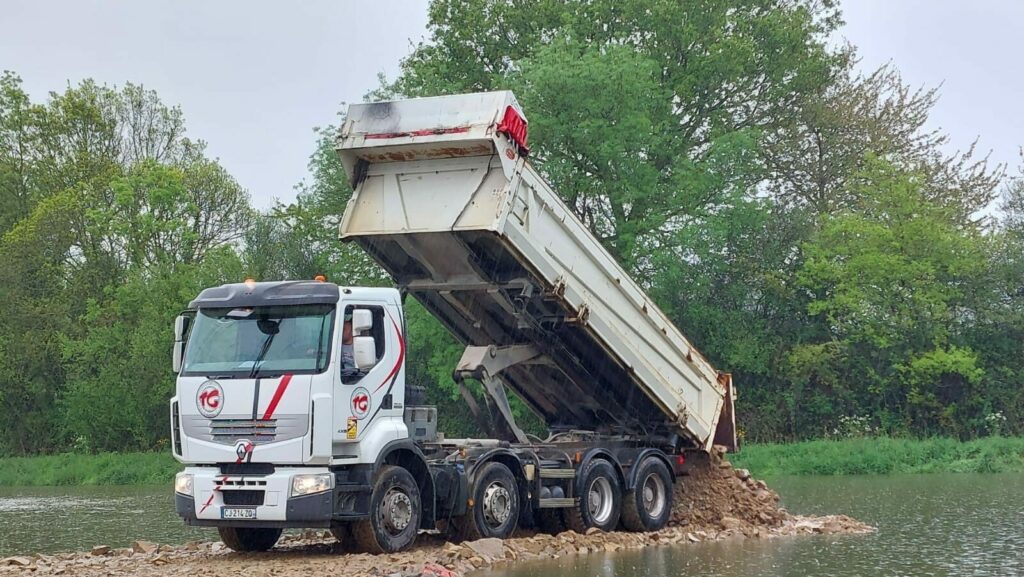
pixel 183 483
pixel 307 484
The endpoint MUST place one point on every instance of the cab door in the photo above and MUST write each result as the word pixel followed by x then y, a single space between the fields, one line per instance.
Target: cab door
pixel 370 392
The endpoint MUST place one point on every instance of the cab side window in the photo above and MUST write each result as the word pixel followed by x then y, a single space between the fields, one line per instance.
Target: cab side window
pixel 349 372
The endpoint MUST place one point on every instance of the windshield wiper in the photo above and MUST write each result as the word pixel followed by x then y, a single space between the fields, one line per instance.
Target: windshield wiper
pixel 259 358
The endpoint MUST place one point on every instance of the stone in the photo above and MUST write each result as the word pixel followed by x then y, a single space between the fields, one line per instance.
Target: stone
pixel 593 531
pixel 100 550
pixel 742 474
pixel 160 559
pixel 490 548
pixel 16 561
pixel 145 547
pixel 730 523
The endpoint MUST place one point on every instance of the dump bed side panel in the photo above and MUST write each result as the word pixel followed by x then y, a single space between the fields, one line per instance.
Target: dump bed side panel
pixel 618 313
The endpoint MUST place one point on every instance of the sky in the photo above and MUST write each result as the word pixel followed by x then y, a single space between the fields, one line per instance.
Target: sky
pixel 253 78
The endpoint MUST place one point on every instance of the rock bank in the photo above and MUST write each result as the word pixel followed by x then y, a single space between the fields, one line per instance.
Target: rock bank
pixel 714 502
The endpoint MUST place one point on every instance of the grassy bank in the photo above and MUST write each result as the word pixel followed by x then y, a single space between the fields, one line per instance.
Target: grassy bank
pixel 845 457
pixel 883 455
pixel 101 469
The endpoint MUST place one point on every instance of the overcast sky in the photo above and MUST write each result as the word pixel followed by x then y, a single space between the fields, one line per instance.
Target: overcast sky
pixel 255 77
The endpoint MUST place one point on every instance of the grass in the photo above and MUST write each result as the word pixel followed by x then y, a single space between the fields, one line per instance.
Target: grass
pixel 101 469
pixel 883 455
pixel 863 456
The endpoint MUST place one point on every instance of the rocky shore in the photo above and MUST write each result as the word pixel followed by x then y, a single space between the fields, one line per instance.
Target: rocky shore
pixel 714 502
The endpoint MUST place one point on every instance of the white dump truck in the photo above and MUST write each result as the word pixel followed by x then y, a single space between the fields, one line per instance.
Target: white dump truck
pixel 292 408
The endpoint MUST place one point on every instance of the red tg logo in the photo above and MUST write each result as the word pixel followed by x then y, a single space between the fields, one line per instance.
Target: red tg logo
pixel 360 403
pixel 210 399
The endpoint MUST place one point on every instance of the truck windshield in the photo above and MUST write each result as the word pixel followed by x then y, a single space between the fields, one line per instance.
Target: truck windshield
pixel 259 341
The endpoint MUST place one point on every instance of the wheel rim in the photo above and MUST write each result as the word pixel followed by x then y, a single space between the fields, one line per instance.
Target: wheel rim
pixel 396 510
pixel 600 500
pixel 497 504
pixel 654 495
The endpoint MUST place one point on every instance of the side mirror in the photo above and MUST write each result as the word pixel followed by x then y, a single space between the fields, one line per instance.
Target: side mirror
pixel 362 320
pixel 181 327
pixel 364 351
pixel 178 354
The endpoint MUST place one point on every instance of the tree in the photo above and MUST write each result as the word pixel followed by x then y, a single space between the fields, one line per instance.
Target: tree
pixel 889 277
pixel 648 113
pixel 853 117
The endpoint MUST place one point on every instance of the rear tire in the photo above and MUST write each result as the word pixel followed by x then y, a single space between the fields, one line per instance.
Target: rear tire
pixel 248 539
pixel 600 501
pixel 649 505
pixel 394 513
pixel 495 510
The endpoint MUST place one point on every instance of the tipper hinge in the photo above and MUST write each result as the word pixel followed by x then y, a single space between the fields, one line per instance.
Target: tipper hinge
pixel 485 364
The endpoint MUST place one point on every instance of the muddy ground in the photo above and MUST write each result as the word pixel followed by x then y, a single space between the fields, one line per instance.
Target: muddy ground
pixel 714 502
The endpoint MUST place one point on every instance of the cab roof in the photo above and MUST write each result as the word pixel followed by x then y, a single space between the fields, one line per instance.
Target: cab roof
pixel 252 294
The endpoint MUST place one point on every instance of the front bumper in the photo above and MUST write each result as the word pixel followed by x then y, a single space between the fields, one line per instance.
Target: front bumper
pixel 213 492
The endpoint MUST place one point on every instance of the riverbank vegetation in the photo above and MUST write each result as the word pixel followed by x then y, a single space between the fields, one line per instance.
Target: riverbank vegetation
pixel 89 469
pixel 883 455
pixel 793 214
pixel 858 456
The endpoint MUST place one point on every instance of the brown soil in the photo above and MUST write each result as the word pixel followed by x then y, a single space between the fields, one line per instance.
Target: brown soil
pixel 713 502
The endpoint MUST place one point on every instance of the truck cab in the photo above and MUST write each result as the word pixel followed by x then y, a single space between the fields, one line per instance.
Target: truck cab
pixel 283 380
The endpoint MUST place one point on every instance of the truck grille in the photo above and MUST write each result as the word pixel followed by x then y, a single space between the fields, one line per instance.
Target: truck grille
pixel 229 429
pixel 257 431
pixel 244 497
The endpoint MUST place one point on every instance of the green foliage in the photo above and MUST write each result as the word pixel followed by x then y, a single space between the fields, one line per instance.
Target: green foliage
pixel 795 219
pixel 883 455
pixel 156 468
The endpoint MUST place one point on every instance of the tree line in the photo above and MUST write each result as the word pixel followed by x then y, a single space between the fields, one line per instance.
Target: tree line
pixel 795 217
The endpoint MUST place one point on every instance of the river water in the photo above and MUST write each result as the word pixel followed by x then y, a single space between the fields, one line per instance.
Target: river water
pixel 929 525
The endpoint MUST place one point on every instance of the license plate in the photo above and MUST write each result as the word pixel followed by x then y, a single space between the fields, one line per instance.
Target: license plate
pixel 238 513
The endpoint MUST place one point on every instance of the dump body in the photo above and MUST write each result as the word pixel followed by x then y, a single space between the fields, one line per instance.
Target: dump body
pixel 446 201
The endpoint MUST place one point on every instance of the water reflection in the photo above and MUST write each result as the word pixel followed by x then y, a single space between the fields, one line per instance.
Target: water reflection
pixel 57 519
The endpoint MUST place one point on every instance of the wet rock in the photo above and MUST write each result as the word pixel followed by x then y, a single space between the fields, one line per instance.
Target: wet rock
pixel 100 550
pixel 144 547
pixel 16 561
pixel 490 548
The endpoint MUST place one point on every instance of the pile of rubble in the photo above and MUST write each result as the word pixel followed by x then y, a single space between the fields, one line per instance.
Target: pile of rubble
pixel 714 502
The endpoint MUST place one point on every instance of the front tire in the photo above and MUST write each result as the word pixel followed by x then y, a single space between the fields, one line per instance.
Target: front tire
pixel 495 511
pixel 248 539
pixel 601 499
pixel 394 513
pixel 649 505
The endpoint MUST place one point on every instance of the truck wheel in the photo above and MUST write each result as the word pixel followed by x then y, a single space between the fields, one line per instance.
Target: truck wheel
pixel 495 510
pixel 601 499
pixel 649 505
pixel 394 513
pixel 248 539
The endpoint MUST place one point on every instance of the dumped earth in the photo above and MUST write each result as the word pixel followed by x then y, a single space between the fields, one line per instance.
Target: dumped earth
pixel 714 502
